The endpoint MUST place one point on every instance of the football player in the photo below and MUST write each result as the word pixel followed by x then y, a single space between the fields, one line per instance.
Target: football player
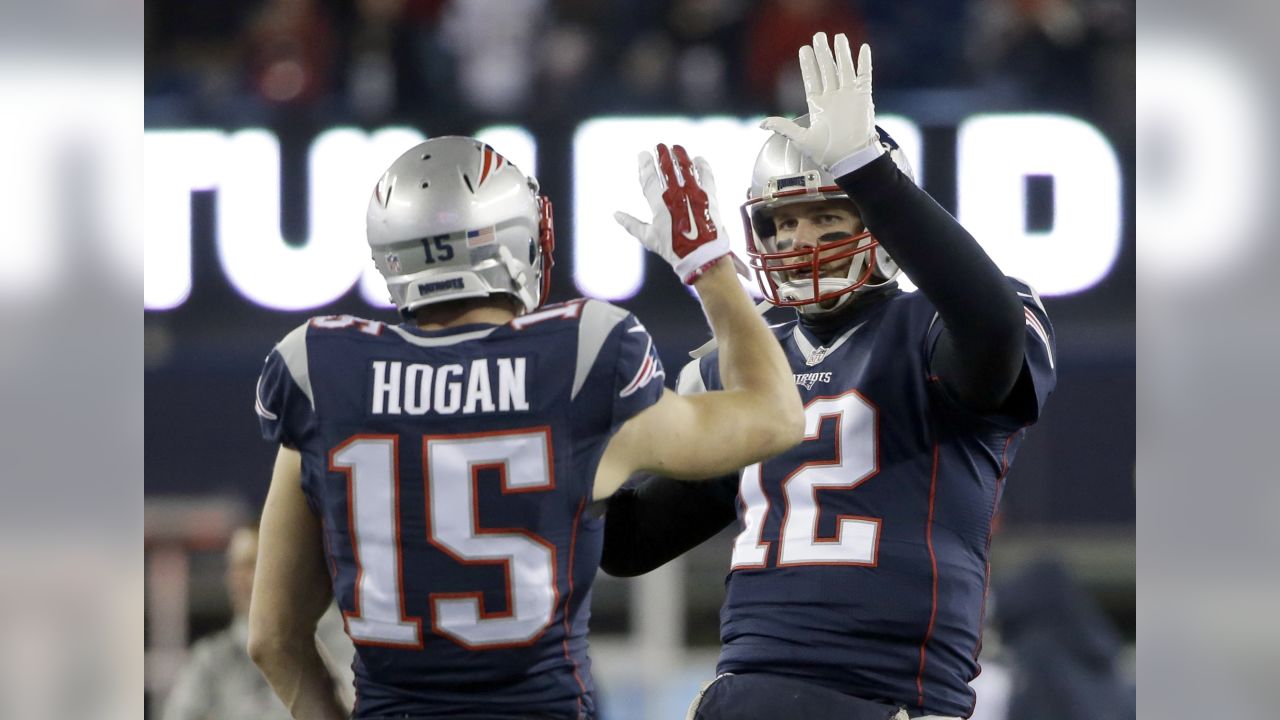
pixel 857 581
pixel 432 475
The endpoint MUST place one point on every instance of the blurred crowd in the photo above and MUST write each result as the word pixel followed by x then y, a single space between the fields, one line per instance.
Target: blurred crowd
pixel 231 62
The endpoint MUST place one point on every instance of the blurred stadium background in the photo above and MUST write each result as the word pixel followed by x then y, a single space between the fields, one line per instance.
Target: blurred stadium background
pixel 267 121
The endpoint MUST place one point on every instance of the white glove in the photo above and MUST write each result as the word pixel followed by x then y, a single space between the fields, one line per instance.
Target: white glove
pixel 841 136
pixel 686 228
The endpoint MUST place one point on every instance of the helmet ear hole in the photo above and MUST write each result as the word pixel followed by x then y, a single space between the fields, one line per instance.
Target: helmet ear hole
pixel 884 265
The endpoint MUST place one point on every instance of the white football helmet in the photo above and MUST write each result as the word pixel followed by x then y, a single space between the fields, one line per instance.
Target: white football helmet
pixel 453 219
pixel 784 175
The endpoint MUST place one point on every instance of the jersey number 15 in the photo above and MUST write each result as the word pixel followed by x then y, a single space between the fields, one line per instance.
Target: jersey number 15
pixel 450 462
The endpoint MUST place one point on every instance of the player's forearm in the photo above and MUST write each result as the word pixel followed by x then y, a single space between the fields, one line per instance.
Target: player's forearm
pixel 290 593
pixel 300 678
pixel 653 520
pixel 979 308
pixel 751 359
pixel 936 251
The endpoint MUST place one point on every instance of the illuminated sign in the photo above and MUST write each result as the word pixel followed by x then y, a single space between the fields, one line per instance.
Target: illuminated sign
pixel 244 168
pixel 996 155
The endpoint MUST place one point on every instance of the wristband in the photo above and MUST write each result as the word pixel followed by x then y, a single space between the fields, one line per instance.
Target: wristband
pixel 857 160
pixel 697 273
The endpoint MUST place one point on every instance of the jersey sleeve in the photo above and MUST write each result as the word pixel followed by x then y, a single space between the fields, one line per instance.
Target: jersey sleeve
pixel 618 371
pixel 1039 358
pixel 283 401
pixel 638 372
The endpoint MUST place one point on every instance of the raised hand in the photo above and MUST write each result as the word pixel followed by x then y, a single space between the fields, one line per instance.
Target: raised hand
pixel 842 120
pixel 686 227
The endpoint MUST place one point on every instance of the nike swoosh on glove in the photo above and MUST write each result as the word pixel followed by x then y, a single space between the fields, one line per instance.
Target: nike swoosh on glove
pixel 686 227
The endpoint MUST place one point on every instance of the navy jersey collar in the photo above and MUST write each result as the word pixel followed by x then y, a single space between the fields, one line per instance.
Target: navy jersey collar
pixel 827 327
pixel 413 329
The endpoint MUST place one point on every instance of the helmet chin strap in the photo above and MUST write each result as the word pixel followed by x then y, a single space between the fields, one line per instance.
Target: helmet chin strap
pixel 886 273
pixel 800 290
pixel 811 310
pixel 825 285
pixel 764 305
pixel 520 278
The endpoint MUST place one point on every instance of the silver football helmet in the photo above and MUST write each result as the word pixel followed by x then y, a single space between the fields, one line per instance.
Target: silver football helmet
pixel 784 175
pixel 453 219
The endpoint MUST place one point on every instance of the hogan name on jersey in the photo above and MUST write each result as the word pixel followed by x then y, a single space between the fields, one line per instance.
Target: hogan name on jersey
pixel 483 385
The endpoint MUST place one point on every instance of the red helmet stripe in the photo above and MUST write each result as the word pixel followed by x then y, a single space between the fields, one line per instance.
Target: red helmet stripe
pixel 492 163
pixel 484 170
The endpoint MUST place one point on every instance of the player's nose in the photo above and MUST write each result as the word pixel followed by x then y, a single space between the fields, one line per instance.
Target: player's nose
pixel 806 235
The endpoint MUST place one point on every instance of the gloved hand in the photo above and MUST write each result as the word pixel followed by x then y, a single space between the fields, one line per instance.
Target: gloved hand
pixel 841 136
pixel 686 227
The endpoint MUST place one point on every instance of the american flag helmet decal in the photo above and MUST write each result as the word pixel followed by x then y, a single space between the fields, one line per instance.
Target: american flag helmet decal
pixel 483 236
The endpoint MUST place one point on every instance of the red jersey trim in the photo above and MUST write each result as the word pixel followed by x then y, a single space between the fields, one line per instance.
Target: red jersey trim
pixel 573 545
pixel 933 564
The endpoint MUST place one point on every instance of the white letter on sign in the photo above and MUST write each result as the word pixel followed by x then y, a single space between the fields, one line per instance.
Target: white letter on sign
pixel 997 153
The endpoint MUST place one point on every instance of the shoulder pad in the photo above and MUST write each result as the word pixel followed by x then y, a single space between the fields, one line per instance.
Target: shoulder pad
pixel 293 350
pixel 597 323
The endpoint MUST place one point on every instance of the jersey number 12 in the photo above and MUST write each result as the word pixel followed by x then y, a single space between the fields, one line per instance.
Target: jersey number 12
pixel 855 459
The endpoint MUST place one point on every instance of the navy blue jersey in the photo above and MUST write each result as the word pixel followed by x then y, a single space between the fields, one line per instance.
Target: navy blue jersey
pixel 450 470
pixel 862 560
